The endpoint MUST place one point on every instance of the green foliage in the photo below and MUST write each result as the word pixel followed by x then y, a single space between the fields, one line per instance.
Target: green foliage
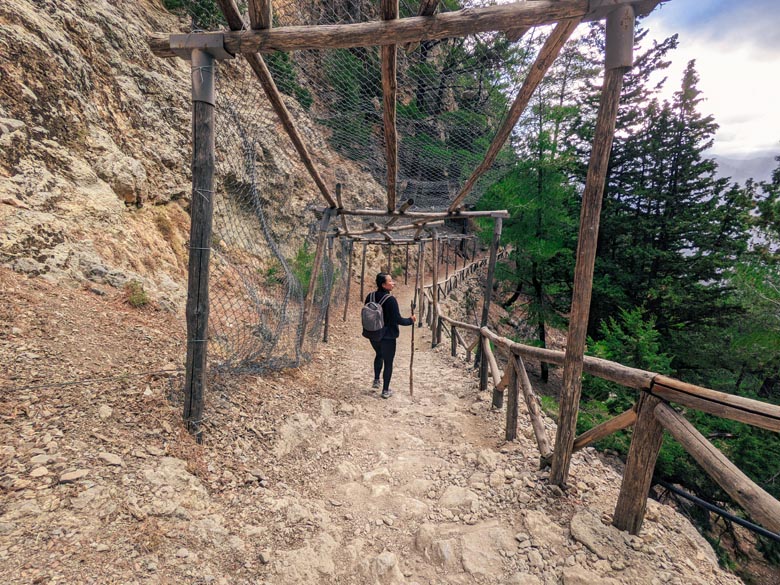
pixel 135 295
pixel 302 265
pixel 631 340
pixel 281 66
pixel 205 13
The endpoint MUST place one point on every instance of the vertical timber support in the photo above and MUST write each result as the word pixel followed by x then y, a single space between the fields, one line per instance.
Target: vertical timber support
pixel 351 246
pixel 326 328
pixel 202 211
pixel 421 278
pixel 435 288
pixel 389 258
pixel 315 273
pixel 406 266
pixel 620 40
pixel 483 365
pixel 640 464
pixel 363 274
pixel 513 388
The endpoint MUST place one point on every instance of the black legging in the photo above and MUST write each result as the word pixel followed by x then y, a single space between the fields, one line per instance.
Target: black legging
pixel 385 354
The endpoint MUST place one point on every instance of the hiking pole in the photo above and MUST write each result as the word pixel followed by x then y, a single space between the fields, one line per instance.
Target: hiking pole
pixel 411 360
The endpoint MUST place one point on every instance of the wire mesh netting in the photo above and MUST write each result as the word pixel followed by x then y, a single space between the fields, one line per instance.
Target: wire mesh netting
pixel 452 96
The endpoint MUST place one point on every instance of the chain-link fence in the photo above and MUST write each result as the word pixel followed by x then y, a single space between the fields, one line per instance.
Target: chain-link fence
pixel 452 96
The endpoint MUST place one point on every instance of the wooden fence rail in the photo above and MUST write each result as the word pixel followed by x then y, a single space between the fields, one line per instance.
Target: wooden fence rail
pixel 650 416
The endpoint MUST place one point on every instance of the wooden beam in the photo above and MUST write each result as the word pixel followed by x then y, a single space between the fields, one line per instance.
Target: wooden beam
pixel 401 210
pixel 260 14
pixel 761 506
pixel 516 34
pixel 605 429
pixel 452 215
pixel 583 274
pixel 389 12
pixel 427 7
pixel 544 59
pixel 256 62
pixel 502 17
pixel 534 410
pixel 341 206
pixel 640 463
pixel 381 229
pixel 746 410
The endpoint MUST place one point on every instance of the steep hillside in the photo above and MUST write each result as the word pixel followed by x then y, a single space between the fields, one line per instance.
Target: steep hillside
pixel 95 148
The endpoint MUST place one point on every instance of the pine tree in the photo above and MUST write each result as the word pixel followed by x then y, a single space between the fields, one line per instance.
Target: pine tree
pixel 671 230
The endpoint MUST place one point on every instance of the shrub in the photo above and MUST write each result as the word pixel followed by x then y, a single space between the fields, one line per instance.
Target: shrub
pixel 135 295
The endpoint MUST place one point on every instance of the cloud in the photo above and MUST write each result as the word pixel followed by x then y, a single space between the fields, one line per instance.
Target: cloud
pixel 737 60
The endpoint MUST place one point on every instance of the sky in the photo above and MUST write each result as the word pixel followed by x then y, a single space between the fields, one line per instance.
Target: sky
pixel 736 45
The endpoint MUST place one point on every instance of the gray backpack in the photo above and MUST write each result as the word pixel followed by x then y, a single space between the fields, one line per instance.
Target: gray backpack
pixel 372 316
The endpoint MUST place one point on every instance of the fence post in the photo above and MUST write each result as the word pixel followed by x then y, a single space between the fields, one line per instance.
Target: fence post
pixel 511 399
pixel 497 225
pixel 406 270
pixel 202 211
pixel 638 474
pixel 435 289
pixel 363 274
pixel 326 328
pixel 620 35
pixel 421 278
pixel 453 341
pixel 349 278
pixel 315 273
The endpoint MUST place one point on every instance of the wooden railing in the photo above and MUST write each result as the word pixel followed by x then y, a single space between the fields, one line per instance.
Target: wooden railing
pixel 650 416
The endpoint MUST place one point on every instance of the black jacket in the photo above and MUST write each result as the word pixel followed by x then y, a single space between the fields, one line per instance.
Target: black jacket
pixel 392 315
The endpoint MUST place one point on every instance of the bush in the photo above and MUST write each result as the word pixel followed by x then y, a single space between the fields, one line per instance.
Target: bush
pixel 302 265
pixel 135 295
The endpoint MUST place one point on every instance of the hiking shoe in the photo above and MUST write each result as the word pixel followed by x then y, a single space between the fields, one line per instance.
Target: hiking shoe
pixel 387 393
pixel 376 384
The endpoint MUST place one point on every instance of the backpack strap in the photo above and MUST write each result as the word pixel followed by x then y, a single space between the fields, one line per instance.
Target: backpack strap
pixel 384 298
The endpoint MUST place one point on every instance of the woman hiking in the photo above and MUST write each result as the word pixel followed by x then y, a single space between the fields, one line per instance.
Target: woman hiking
pixel 384 340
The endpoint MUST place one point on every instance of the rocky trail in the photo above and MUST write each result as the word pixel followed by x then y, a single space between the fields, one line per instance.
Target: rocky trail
pixel 305 476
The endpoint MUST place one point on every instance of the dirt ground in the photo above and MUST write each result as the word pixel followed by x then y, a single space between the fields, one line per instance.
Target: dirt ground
pixel 304 476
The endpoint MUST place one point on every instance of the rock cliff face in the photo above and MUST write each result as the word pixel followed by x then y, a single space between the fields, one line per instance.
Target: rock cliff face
pixel 95 147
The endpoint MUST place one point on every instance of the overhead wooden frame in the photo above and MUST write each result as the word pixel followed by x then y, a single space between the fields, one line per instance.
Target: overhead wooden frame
pixel 460 23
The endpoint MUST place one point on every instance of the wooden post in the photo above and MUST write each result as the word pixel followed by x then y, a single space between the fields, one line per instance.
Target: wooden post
pixel 351 245
pixel 510 433
pixel 497 225
pixel 586 254
pixel 315 273
pixel 435 288
pixel 406 267
pixel 421 279
pixel 638 474
pixel 446 260
pixel 390 259
pixel 389 11
pixel 473 249
pixel 202 210
pixel 363 274
pixel 534 411
pixel 492 366
pixel 453 341
pixel 260 14
pixel 326 328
